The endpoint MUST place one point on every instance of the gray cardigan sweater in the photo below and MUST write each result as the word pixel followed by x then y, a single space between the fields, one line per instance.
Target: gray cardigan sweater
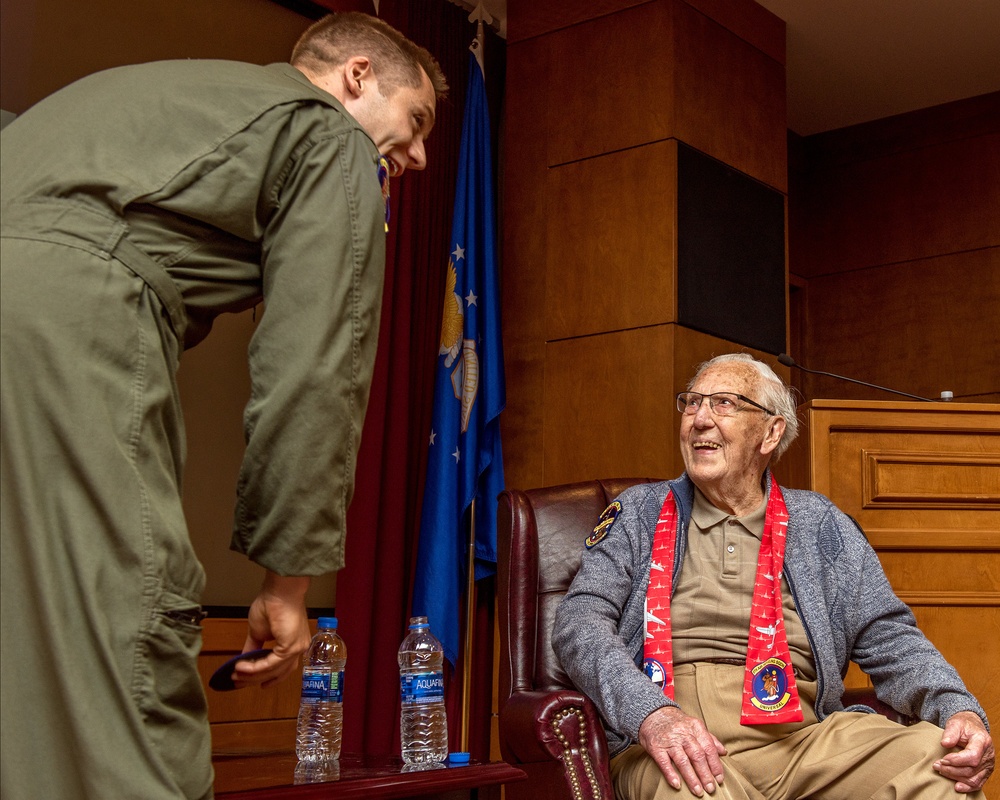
pixel 846 604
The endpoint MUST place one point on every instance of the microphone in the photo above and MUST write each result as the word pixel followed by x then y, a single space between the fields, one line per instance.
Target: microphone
pixel 788 361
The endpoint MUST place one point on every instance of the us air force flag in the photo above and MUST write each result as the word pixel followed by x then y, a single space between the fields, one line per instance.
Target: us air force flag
pixel 464 458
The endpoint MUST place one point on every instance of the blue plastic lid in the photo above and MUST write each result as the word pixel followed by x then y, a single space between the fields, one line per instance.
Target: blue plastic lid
pixel 458 758
pixel 327 622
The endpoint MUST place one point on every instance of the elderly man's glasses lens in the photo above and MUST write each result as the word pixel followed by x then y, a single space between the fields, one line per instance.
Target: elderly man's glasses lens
pixel 722 403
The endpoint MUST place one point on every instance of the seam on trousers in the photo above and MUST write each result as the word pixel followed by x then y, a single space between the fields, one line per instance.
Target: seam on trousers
pixel 139 685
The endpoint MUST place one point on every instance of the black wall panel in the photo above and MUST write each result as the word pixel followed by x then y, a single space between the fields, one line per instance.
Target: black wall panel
pixel 730 254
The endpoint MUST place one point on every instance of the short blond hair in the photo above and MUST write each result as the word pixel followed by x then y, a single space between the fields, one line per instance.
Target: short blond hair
pixel 395 60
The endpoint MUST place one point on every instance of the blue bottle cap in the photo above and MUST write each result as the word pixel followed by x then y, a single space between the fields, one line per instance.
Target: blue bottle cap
pixel 327 622
pixel 458 758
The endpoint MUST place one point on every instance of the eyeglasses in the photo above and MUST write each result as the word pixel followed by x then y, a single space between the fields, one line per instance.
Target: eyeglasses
pixel 723 404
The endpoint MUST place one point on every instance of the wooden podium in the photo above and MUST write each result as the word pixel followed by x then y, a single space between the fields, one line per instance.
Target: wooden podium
pixel 923 481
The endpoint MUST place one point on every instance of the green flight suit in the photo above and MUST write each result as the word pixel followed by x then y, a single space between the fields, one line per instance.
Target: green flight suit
pixel 219 185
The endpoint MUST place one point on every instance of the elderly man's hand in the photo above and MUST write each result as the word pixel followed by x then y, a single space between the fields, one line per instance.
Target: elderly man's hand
pixel 973 764
pixel 683 746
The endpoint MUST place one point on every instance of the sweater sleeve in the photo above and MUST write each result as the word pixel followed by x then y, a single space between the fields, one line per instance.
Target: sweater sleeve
pixel 312 356
pixel 906 669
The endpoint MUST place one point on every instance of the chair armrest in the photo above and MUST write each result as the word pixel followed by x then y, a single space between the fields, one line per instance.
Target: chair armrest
pixel 561 725
pixel 867 697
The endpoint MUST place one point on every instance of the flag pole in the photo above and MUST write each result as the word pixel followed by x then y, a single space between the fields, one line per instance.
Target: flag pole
pixel 477 16
pixel 464 452
pixel 470 610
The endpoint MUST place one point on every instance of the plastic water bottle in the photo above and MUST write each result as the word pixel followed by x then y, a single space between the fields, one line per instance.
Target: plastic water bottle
pixel 321 713
pixel 325 771
pixel 424 724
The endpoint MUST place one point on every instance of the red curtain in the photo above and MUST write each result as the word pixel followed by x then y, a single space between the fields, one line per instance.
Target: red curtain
pixel 374 589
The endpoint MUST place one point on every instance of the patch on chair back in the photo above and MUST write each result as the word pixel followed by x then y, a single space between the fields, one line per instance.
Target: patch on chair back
pixel 607 519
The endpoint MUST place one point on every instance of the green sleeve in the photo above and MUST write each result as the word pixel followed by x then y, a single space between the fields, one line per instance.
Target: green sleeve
pixel 311 357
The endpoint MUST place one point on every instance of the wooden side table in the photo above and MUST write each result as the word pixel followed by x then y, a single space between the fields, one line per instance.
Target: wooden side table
pixel 273 775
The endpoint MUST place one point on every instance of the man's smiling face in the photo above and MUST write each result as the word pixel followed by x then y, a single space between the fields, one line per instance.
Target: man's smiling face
pixel 725 455
pixel 399 123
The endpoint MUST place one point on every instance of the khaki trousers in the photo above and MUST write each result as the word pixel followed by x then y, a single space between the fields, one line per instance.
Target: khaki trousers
pixel 847 756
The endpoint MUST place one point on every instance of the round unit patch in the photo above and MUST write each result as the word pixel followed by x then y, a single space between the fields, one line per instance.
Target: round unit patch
pixel 770 685
pixel 607 519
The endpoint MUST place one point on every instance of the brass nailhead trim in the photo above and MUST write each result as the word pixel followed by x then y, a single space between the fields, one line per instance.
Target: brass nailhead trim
pixel 570 767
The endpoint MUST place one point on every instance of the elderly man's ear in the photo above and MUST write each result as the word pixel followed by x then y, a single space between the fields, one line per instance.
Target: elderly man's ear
pixel 772 436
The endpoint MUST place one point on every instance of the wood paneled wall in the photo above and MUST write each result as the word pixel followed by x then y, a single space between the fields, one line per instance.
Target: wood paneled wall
pixel 600 94
pixel 894 245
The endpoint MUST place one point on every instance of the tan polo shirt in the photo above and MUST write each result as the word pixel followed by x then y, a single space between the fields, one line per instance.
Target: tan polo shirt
pixel 710 610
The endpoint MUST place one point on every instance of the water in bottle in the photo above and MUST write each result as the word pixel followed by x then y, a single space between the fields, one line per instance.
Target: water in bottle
pixel 424 723
pixel 321 714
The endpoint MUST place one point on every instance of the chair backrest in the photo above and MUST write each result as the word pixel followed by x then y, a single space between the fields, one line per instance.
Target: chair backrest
pixel 540 538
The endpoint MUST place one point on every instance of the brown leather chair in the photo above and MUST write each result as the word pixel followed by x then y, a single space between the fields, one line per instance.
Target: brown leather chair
pixel 548 728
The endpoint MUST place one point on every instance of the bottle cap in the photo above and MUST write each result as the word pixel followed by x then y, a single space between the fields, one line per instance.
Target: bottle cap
pixel 327 622
pixel 458 758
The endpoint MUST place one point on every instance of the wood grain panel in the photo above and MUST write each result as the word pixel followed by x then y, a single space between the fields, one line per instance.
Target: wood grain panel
pixel 970 640
pixel 910 205
pixel 919 327
pixel 609 401
pixel 527 18
pixel 525 208
pixel 980 599
pixel 729 98
pixel 958 121
pixel 941 509
pixel 524 247
pixel 690 78
pixel 237 738
pixel 929 539
pixel 693 348
pixel 250 718
pixel 751 22
pixel 918 574
pixel 610 83
pixel 907 479
pixel 612 243
pixel 522 422
pixel 609 405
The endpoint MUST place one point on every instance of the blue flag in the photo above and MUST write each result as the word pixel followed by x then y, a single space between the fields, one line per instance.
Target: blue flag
pixel 464 460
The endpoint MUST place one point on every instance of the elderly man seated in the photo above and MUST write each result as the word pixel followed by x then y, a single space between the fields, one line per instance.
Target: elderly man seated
pixel 714 616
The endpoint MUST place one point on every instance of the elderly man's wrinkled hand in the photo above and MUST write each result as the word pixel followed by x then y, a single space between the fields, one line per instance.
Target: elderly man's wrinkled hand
pixel 683 748
pixel 970 766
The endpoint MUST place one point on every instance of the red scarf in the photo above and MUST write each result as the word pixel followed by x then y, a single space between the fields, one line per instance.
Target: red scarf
pixel 769 693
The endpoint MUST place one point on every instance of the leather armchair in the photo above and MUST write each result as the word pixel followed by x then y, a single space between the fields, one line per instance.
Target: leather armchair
pixel 548 728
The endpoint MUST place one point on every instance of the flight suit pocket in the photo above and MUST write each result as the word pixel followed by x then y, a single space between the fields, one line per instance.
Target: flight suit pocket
pixel 174 707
